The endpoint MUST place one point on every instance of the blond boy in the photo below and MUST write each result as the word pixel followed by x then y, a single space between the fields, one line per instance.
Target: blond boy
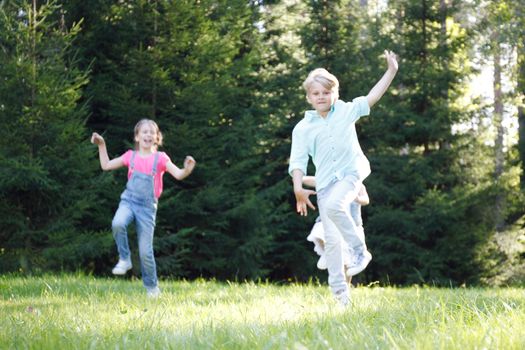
pixel 327 134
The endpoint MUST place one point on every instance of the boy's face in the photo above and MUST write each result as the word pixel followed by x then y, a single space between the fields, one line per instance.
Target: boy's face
pixel 321 98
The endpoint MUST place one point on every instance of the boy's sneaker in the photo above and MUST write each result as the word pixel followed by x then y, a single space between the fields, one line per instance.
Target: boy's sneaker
pixel 360 263
pixel 343 299
pixel 153 293
pixel 122 267
pixel 321 263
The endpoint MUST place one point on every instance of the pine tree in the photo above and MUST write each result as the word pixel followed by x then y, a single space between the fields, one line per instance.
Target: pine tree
pixel 420 192
pixel 46 185
pixel 217 224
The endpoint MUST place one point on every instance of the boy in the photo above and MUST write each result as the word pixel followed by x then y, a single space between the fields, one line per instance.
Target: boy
pixel 328 135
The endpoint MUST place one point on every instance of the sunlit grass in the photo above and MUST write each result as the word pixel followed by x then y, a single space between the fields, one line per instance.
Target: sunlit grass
pixel 80 312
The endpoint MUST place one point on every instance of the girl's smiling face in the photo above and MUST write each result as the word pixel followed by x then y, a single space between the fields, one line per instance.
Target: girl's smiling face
pixel 146 137
pixel 321 98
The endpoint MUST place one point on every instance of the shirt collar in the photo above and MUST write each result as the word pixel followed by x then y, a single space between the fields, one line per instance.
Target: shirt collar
pixel 312 114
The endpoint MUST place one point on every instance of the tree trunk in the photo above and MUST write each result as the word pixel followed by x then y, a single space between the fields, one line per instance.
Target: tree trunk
pixel 499 157
pixel 521 111
pixel 445 144
pixel 154 44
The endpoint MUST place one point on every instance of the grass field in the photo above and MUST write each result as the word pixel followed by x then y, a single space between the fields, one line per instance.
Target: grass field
pixel 82 312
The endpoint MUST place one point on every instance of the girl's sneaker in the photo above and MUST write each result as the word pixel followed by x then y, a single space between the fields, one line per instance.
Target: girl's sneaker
pixel 321 263
pixel 153 293
pixel 122 267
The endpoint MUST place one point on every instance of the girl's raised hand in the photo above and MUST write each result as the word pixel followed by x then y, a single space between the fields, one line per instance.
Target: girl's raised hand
pixel 97 139
pixel 189 163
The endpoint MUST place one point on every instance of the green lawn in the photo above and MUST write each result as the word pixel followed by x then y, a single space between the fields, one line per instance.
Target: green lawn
pixel 81 312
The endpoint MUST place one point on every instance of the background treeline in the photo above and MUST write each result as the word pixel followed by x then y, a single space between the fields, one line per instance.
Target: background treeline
pixel 222 79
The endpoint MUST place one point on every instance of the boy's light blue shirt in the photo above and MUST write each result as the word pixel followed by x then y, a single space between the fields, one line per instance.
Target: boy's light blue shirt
pixel 331 142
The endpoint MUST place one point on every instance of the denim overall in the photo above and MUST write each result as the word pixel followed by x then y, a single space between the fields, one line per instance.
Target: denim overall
pixel 138 203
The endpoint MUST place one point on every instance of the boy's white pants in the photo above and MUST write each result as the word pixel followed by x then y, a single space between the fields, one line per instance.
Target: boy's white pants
pixel 334 202
pixel 316 236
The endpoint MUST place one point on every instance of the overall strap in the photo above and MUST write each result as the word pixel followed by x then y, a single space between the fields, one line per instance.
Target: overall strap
pixel 132 161
pixel 155 161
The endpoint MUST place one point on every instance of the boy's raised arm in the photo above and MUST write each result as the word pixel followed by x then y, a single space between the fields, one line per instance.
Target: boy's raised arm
pixel 382 85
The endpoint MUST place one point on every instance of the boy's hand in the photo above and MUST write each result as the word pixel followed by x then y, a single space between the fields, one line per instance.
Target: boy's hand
pixel 97 139
pixel 382 85
pixel 391 60
pixel 189 163
pixel 301 197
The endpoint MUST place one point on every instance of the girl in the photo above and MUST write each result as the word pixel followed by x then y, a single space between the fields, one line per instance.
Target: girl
pixel 138 202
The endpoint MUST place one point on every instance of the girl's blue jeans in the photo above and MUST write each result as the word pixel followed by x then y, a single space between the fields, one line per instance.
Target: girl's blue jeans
pixel 143 213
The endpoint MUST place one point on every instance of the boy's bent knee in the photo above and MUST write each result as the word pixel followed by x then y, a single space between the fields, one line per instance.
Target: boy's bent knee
pixel 334 210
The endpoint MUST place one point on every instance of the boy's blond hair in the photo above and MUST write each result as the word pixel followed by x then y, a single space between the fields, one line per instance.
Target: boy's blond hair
pixel 323 77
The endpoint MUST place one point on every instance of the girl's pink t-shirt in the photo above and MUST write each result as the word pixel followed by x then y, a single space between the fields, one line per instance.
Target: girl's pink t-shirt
pixel 144 165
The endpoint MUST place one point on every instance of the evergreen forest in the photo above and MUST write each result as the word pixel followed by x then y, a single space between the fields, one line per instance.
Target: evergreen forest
pixel 223 80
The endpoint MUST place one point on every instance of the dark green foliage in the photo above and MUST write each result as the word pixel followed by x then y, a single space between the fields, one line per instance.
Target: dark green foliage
pixel 46 183
pixel 222 78
pixel 193 69
pixel 421 223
